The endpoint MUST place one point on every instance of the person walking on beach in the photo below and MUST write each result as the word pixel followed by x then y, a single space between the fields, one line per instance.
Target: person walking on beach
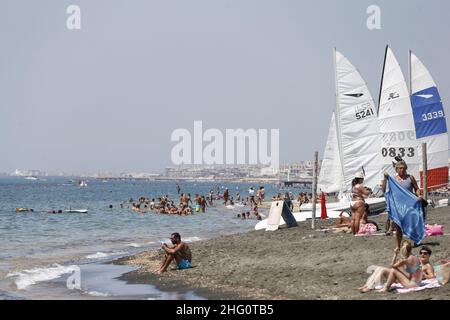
pixel 180 252
pixel 409 183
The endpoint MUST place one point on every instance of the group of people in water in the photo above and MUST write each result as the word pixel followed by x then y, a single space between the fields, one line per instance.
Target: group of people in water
pixel 188 205
pixel 166 205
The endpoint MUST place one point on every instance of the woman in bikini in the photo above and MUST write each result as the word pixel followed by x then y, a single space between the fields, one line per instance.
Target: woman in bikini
pixel 359 193
pixel 407 271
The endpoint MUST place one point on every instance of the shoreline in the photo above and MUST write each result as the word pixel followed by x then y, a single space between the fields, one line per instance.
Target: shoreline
pixel 296 263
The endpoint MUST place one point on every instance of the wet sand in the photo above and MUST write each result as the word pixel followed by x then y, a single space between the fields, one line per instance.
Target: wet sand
pixel 294 263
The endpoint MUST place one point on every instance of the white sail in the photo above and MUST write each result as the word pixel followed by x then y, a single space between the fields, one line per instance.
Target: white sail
pixel 430 123
pixel 330 177
pixel 396 123
pixel 357 125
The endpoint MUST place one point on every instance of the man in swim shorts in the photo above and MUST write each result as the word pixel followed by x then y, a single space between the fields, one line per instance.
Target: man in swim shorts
pixel 180 252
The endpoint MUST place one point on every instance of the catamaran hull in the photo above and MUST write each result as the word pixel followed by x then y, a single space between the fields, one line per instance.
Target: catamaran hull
pixel 375 205
pixel 334 209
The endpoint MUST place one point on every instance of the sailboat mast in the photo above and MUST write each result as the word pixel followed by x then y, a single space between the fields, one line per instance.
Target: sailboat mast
pixel 382 78
pixel 337 119
pixel 410 76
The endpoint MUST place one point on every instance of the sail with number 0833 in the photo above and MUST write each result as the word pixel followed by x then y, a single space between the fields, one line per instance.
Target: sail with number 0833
pixel 396 122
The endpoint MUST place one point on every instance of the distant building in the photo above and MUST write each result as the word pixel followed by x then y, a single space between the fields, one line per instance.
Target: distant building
pixel 28 173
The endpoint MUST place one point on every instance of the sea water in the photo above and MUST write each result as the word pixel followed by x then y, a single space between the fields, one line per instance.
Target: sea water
pixel 38 247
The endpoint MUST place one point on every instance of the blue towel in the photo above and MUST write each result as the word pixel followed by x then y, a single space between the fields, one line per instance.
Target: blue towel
pixel 405 210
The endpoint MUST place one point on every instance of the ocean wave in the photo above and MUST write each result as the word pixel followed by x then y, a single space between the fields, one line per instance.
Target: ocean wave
pixel 98 294
pixel 27 278
pixel 99 255
pixel 191 239
pixel 134 245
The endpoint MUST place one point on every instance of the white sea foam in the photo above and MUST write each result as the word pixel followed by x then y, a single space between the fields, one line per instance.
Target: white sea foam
pixel 98 294
pixel 134 245
pixel 27 278
pixel 100 255
pixel 191 239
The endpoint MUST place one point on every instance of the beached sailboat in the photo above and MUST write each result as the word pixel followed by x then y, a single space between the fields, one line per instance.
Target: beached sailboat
pixel 352 145
pixel 396 122
pixel 409 117
pixel 430 123
pixel 353 139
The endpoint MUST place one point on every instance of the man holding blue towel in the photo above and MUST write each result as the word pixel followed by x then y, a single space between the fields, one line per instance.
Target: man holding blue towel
pixel 404 204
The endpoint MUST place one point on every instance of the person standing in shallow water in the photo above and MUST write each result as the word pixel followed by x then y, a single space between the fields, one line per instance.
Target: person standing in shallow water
pixel 180 252
pixel 226 195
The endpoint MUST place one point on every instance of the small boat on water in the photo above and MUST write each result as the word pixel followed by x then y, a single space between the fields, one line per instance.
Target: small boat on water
pixel 76 211
pixel 24 210
pixel 31 178
pixel 82 183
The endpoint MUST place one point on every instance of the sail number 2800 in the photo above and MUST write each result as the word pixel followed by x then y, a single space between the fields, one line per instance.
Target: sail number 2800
pixel 393 152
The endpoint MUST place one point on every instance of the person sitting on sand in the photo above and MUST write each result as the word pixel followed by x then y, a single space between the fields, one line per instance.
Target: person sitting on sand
pixel 180 252
pixel 407 271
pixel 427 268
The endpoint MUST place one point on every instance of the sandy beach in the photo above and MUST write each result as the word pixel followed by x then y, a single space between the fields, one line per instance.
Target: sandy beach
pixel 295 263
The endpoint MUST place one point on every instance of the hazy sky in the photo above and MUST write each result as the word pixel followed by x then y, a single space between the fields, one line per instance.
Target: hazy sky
pixel 107 97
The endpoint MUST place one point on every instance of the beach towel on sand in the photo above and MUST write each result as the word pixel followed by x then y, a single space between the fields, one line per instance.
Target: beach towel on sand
pixel 434 230
pixel 424 284
pixel 367 230
pixel 405 210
